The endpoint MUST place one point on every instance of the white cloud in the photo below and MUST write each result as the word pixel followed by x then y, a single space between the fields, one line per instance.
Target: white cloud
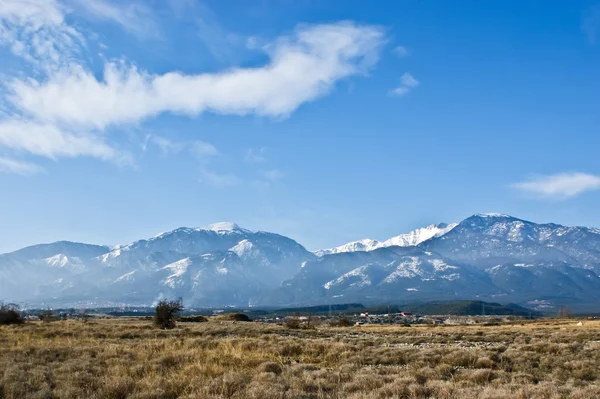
pixel 563 185
pixel 36 31
pixel 218 179
pixel 128 95
pixel 49 141
pixel 400 90
pixel 166 146
pixel 65 110
pixel 407 82
pixel 134 17
pixel 256 155
pixel 202 149
pixel 8 165
pixel 400 51
pixel 273 174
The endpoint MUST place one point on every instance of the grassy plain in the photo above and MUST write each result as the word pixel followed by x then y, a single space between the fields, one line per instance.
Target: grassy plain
pixel 128 358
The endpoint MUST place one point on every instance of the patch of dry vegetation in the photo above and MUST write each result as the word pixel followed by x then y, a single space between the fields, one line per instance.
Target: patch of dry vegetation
pixel 127 358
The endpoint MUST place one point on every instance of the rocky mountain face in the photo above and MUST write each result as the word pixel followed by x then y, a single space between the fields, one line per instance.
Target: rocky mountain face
pixel 489 257
pixel 222 264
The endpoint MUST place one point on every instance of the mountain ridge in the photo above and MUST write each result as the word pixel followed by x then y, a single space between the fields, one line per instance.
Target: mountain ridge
pixel 484 257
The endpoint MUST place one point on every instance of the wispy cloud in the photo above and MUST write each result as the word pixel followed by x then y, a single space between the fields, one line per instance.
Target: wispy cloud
pixel 8 165
pixel 66 110
pixel 591 23
pixel 50 141
pixel 133 16
pixel 36 31
pixel 128 95
pixel 273 174
pixel 407 83
pixel 166 146
pixel 400 51
pixel 203 150
pixel 563 185
pixel 218 179
pixel 256 155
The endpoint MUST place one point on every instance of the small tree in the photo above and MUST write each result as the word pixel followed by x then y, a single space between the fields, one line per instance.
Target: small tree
pixel 9 314
pixel 47 316
pixel 165 313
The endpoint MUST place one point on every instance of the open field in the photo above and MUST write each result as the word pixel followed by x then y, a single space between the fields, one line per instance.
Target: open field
pixel 128 358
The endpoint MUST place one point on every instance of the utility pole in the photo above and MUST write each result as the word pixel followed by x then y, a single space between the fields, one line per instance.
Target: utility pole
pixel 483 308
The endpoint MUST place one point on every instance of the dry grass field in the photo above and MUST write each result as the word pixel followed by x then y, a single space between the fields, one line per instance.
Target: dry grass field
pixel 127 358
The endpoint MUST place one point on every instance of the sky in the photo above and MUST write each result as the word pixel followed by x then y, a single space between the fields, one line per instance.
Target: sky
pixel 323 120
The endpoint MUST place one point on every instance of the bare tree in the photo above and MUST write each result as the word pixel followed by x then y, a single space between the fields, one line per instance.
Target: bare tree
pixel 165 313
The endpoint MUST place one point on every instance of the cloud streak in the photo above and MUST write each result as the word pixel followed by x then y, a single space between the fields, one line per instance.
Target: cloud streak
pixel 561 186
pixel 8 165
pixel 219 180
pixel 407 83
pixel 134 17
pixel 400 51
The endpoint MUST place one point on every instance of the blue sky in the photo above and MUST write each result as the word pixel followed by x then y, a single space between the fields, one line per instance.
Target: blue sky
pixel 327 121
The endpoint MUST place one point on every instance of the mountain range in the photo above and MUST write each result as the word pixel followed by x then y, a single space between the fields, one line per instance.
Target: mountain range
pixel 487 257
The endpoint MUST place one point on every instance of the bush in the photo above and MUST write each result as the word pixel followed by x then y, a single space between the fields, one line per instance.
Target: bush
pixel 343 322
pixel 192 319
pixel 165 313
pixel 48 317
pixel 233 317
pixel 292 322
pixel 9 314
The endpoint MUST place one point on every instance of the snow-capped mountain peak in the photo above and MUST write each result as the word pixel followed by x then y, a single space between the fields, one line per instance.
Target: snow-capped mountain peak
pixel 225 227
pixel 361 245
pixel 418 236
pixel 492 215
pixel 412 238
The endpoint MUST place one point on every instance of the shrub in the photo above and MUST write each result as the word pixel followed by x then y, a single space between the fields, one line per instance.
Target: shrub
pixel 271 367
pixel 165 313
pixel 233 317
pixel 48 317
pixel 192 319
pixel 9 314
pixel 292 322
pixel 343 322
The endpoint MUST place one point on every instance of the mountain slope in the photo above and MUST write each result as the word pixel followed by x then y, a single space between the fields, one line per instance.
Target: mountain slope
pixel 489 240
pixel 381 275
pixel 142 271
pixel 485 257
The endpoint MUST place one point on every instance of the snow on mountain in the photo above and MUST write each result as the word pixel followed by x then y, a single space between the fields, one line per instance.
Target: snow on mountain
pixel 63 261
pixel 225 227
pixel 487 240
pixel 245 249
pixel 233 261
pixel 385 274
pixel 361 245
pixel 418 236
pixel 486 256
pixel 412 238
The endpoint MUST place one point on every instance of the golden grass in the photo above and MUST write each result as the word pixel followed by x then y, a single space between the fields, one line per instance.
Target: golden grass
pixel 128 358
